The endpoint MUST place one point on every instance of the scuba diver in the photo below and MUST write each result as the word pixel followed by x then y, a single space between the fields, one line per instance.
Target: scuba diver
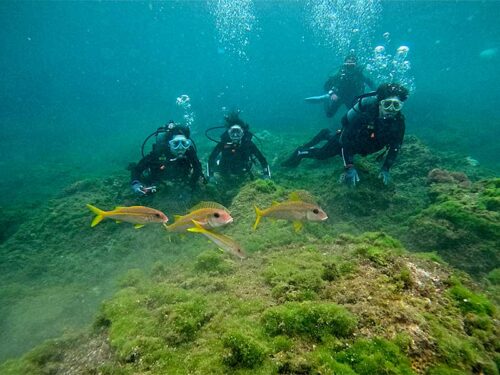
pixel 342 88
pixel 375 122
pixel 345 86
pixel 173 158
pixel 235 153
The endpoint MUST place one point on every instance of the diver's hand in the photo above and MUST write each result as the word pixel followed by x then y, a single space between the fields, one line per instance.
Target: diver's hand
pixel 333 95
pixel 140 189
pixel 149 189
pixel 384 176
pixel 266 173
pixel 349 177
pixel 137 188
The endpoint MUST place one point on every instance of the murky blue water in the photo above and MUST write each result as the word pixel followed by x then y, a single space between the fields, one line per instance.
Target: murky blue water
pixel 82 83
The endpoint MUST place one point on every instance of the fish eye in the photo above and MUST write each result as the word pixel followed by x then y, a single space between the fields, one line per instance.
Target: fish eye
pixel 217 215
pixel 316 211
pixel 157 215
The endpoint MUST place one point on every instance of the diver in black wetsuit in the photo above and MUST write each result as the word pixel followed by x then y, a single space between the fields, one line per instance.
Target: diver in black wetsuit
pixel 173 158
pixel 341 88
pixel 235 152
pixel 375 122
pixel 346 85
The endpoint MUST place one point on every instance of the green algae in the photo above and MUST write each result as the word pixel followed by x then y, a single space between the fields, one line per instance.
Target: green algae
pixel 212 262
pixel 175 321
pixel 312 319
pixel 460 224
pixel 242 350
pixel 469 301
pixel 296 279
pixel 494 276
pixel 379 248
pixel 185 307
pixel 376 356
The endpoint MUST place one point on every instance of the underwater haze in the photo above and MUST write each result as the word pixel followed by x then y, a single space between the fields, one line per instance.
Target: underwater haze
pixel 83 83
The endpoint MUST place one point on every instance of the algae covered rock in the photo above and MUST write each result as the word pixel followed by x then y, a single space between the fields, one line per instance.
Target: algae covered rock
pixel 382 311
pixel 242 350
pixel 462 224
pixel 325 300
pixel 313 319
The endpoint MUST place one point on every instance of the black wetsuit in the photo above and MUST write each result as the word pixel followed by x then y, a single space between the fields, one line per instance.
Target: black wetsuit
pixel 347 84
pixel 363 132
pixel 162 165
pixel 235 159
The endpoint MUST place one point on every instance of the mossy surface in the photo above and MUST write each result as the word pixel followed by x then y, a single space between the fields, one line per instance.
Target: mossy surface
pixel 402 315
pixel 335 296
pixel 312 319
pixel 463 222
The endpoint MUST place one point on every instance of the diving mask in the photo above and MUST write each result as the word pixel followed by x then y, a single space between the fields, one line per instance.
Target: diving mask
pixel 179 144
pixel 235 133
pixel 391 105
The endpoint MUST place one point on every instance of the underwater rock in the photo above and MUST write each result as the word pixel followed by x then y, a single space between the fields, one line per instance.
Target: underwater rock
pixel 182 296
pixel 462 223
pixel 441 176
pixel 384 310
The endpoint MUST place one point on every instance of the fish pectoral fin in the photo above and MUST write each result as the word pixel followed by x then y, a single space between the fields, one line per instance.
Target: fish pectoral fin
pixel 138 226
pixel 117 221
pixel 297 225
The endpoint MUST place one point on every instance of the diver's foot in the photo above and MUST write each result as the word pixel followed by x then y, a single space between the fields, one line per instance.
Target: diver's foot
pixel 294 160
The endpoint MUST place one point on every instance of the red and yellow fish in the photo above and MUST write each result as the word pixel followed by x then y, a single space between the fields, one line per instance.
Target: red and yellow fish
pixel 138 215
pixel 223 242
pixel 298 208
pixel 209 215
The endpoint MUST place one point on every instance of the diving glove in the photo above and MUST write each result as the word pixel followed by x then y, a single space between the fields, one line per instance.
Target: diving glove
pixel 140 189
pixel 350 176
pixel 384 176
pixel 266 173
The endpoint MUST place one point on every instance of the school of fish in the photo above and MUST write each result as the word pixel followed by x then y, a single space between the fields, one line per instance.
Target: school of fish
pixel 206 217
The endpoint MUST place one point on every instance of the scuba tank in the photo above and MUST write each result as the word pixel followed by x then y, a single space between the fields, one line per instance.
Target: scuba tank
pixel 358 100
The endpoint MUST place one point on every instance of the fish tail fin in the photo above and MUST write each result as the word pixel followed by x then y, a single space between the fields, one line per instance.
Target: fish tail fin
pixel 259 214
pixel 100 215
pixel 197 228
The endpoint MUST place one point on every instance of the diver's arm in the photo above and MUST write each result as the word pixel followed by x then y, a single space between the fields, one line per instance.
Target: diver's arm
pixel 351 123
pixel 212 159
pixel 369 82
pixel 266 172
pixel 258 154
pixel 136 174
pixel 330 83
pixel 195 164
pixel 139 168
pixel 394 146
